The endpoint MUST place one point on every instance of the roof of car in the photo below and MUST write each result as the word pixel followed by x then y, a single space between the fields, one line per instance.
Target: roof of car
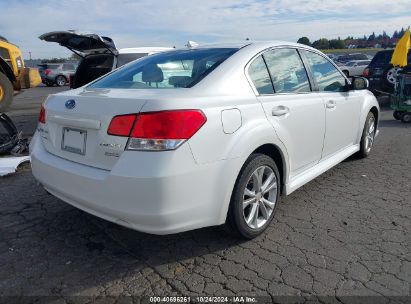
pixel 254 44
pixel 138 50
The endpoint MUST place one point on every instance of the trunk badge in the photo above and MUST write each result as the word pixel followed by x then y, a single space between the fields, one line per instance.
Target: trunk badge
pixel 70 104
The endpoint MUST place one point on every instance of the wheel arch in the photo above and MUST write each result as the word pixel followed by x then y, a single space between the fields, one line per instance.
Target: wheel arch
pixel 5 68
pixel 370 104
pixel 275 153
pixel 274 150
pixel 55 78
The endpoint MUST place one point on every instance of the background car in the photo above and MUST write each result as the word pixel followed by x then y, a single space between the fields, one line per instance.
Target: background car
pixel 350 57
pixel 56 73
pixel 355 67
pixel 204 136
pixel 380 72
pixel 98 54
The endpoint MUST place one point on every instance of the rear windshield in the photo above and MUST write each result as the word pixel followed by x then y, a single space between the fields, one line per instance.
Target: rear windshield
pixel 53 66
pixel 382 58
pixel 173 69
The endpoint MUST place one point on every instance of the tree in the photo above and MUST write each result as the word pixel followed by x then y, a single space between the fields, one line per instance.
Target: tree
pixel 74 56
pixel 371 37
pixel 336 44
pixel 304 40
pixel 395 35
pixel 321 44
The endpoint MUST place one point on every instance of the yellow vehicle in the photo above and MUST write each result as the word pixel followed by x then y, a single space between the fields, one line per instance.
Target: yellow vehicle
pixel 14 76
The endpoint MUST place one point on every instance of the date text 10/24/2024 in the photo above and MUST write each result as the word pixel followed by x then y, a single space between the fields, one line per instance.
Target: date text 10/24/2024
pixel 203 299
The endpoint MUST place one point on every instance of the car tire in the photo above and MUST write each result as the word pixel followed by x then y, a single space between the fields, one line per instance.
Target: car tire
pixel 368 135
pixel 397 115
pixel 252 210
pixel 6 93
pixel 406 117
pixel 389 79
pixel 347 74
pixel 61 81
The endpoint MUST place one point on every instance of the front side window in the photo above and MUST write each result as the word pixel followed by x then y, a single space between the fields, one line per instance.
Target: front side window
pixel 173 69
pixel 326 75
pixel 259 75
pixel 287 71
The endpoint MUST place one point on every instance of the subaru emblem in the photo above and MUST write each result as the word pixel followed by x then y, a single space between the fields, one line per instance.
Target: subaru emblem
pixel 70 104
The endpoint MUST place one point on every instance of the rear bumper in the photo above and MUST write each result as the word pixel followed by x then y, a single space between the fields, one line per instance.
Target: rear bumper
pixel 151 192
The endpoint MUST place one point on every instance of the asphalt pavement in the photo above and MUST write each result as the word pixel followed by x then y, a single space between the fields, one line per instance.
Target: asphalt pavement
pixel 346 233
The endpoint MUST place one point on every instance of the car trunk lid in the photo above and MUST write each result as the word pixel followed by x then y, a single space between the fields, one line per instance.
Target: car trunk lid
pixel 76 126
pixel 81 43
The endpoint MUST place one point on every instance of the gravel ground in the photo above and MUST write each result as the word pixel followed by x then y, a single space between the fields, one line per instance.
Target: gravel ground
pixel 346 233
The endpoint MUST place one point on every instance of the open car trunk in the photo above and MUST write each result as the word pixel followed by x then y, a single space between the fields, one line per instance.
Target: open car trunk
pixel 91 68
pixel 97 54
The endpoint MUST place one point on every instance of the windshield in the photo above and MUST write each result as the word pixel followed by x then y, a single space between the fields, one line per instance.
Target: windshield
pixel 174 69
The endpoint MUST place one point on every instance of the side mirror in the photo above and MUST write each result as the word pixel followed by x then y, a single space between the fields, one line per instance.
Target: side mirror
pixel 359 83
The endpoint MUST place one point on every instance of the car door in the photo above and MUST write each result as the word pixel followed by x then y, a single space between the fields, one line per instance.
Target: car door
pixel 296 113
pixel 342 106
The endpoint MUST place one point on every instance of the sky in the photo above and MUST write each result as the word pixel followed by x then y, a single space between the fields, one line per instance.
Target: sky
pixel 173 22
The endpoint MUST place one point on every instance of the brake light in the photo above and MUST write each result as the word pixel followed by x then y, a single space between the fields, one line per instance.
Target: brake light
pixel 168 124
pixel 47 71
pixel 157 131
pixel 42 115
pixel 366 72
pixel 121 125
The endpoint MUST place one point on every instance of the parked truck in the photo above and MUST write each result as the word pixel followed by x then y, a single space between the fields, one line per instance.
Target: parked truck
pixel 14 76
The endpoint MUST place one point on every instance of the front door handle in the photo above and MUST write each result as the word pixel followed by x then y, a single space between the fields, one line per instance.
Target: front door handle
pixel 331 104
pixel 280 111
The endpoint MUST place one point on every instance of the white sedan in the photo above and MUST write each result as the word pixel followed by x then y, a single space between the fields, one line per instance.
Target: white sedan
pixel 355 67
pixel 200 137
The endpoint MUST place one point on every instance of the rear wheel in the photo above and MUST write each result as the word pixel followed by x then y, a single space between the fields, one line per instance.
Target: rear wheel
pixel 255 197
pixel 368 135
pixel 346 73
pixel 397 115
pixel 406 117
pixel 6 93
pixel 61 80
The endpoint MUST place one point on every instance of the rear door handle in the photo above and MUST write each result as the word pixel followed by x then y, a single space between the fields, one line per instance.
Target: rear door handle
pixel 280 111
pixel 331 104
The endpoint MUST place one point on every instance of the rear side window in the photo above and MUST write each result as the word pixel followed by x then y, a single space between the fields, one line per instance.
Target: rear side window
pixel 382 58
pixel 126 58
pixel 326 75
pixel 52 66
pixel 259 75
pixel 287 71
pixel 173 69
pixel 68 66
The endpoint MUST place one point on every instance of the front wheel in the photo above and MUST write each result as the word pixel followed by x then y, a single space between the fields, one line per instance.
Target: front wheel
pixel 406 117
pixel 368 135
pixel 397 115
pixel 255 197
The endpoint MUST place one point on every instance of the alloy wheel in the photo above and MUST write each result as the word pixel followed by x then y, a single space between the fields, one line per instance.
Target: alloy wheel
pixel 369 136
pixel 61 81
pixel 392 75
pixel 260 197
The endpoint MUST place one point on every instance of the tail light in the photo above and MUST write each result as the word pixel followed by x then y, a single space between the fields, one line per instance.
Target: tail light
pixel 42 115
pixel 47 71
pixel 366 72
pixel 157 131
